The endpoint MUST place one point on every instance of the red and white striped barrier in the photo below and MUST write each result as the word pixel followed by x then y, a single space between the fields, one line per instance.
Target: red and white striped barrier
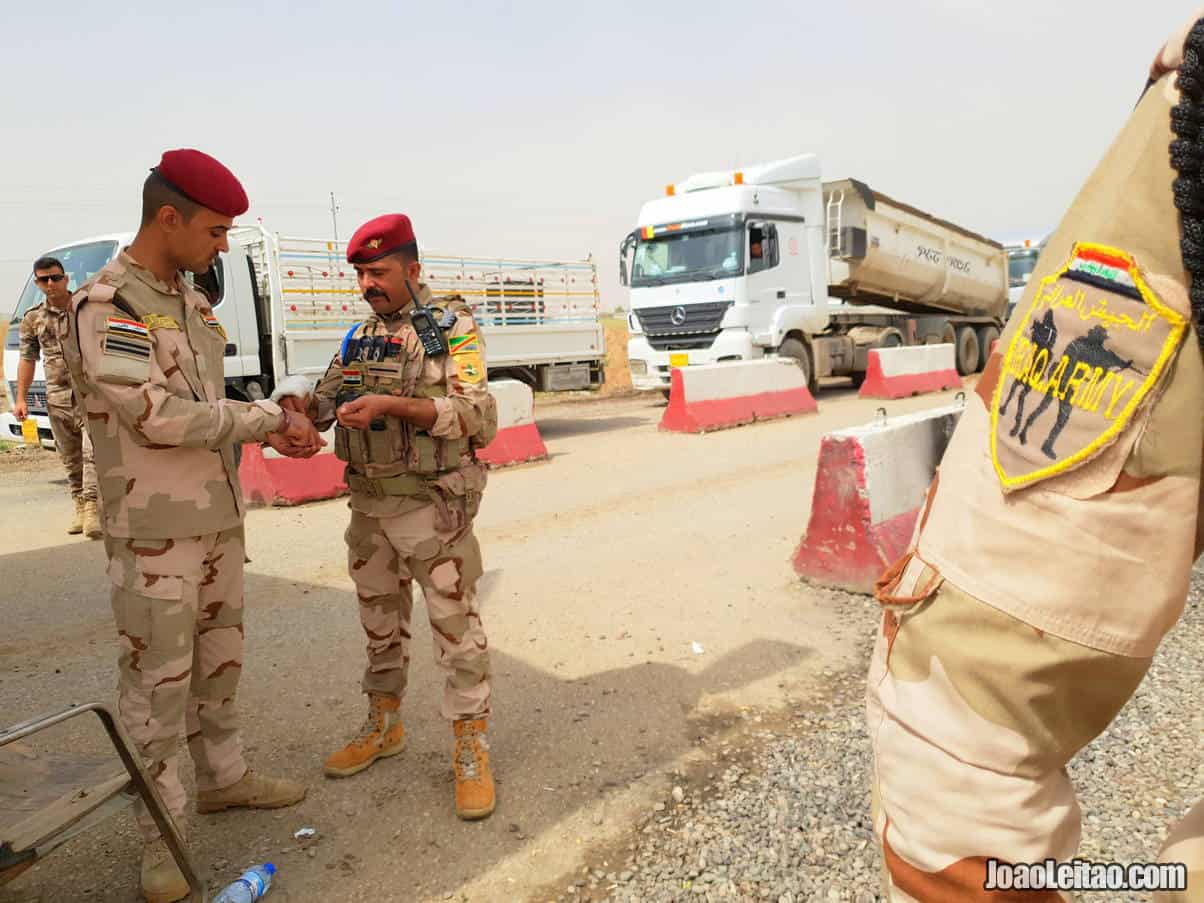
pixel 269 478
pixel 716 396
pixel 517 438
pixel 869 489
pixel 913 370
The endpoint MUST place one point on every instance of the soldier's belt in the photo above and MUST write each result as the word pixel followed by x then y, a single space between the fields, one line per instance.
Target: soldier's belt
pixel 405 484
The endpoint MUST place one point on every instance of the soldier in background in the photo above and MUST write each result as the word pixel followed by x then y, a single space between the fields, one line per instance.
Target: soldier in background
pixel 410 419
pixel 41 334
pixel 148 357
pixel 1037 591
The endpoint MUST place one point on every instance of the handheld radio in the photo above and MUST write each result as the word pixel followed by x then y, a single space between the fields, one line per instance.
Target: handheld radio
pixel 434 342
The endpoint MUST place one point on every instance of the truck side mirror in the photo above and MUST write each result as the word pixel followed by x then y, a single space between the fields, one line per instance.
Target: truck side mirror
pixel 624 251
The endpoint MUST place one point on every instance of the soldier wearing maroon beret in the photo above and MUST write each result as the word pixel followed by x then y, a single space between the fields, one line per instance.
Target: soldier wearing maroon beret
pixel 411 413
pixel 147 354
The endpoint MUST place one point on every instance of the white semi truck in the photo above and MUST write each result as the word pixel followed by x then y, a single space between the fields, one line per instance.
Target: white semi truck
pixel 286 303
pixel 1022 260
pixel 771 260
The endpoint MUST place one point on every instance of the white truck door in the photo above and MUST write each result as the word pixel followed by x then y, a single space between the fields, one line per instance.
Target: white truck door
pixel 766 278
pixel 227 285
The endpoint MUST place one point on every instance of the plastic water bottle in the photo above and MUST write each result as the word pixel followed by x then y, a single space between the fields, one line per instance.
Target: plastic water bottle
pixel 250 886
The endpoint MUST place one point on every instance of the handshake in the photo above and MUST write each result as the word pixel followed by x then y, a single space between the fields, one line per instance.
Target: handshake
pixel 297 436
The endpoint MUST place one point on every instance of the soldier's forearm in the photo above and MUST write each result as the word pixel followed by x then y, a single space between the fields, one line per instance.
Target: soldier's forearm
pixel 418 411
pixel 24 379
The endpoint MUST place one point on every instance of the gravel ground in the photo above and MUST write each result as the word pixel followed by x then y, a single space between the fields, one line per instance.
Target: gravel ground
pixel 782 811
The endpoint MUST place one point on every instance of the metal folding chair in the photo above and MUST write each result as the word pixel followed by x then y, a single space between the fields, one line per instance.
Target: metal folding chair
pixel 44 804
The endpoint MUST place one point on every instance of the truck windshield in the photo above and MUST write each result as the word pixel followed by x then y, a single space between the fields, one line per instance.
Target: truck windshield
pixel 1020 266
pixel 688 257
pixel 80 262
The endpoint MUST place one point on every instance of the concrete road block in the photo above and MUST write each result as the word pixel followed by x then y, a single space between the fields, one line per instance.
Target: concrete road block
pixel 269 478
pixel 517 438
pixel 915 370
pixel 716 396
pixel 869 488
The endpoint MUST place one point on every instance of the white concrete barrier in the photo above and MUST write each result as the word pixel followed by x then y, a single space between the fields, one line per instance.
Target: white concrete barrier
pixel 715 396
pixel 518 438
pixel 869 488
pixel 914 370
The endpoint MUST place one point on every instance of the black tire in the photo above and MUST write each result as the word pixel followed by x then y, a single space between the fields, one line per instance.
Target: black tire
pixel 799 353
pixel 986 335
pixel 966 350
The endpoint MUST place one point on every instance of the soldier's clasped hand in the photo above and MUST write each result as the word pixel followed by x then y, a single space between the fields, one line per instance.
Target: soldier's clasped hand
pixel 359 413
pixel 298 438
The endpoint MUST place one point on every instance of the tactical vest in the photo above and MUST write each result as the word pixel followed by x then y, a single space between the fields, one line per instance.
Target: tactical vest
pixel 393 446
pixel 1069 495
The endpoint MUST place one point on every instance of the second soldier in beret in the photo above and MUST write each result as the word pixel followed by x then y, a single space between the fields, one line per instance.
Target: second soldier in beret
pixel 412 407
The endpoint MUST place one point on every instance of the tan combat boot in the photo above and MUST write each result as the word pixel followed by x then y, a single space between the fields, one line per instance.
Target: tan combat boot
pixel 474 780
pixel 253 792
pixel 77 520
pixel 92 520
pixel 162 880
pixel 381 735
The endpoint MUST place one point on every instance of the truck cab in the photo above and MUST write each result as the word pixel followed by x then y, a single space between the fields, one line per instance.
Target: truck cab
pixel 720 270
pixel 1022 260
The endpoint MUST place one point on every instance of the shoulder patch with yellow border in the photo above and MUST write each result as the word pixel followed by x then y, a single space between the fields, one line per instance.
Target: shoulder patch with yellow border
pixel 466 352
pixel 158 321
pixel 1093 343
pixel 464 344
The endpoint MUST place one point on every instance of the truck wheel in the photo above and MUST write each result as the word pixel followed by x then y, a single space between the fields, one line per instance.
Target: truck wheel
pixel 986 335
pixel 967 350
pixel 793 348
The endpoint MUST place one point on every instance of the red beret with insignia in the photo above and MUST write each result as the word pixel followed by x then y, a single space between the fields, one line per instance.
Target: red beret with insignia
pixel 200 178
pixel 380 236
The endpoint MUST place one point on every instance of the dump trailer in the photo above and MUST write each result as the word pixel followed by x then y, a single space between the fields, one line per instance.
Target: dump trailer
pixel 773 261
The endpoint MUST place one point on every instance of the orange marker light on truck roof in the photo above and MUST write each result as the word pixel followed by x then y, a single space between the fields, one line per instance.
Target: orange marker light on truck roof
pixel 670 190
pixel 649 232
pixel 738 179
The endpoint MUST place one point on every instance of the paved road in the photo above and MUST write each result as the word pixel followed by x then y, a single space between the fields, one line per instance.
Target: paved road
pixel 606 563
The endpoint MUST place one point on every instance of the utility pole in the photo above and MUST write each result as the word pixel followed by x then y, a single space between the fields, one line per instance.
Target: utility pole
pixel 334 216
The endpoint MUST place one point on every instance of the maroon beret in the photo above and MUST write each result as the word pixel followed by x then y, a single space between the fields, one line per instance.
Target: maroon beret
pixel 380 236
pixel 200 178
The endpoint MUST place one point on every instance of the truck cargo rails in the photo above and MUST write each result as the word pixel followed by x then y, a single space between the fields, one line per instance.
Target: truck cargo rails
pixel 770 260
pixel 286 303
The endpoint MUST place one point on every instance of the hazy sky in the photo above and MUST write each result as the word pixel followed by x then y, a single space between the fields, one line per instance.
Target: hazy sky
pixel 537 129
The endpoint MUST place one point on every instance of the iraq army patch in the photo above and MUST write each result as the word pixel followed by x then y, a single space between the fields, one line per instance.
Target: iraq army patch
pixel 353 379
pixel 1091 346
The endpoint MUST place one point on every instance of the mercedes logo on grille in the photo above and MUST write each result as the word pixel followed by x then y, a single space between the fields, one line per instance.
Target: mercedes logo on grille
pixel 678 316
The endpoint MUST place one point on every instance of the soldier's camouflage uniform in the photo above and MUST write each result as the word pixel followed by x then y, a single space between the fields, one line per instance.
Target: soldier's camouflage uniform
pixel 414 495
pixel 149 363
pixel 1050 560
pixel 41 333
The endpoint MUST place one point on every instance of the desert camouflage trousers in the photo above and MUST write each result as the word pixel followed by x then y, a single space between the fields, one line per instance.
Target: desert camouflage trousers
pixel 973 716
pixel 178 608
pixel 385 554
pixel 74 446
